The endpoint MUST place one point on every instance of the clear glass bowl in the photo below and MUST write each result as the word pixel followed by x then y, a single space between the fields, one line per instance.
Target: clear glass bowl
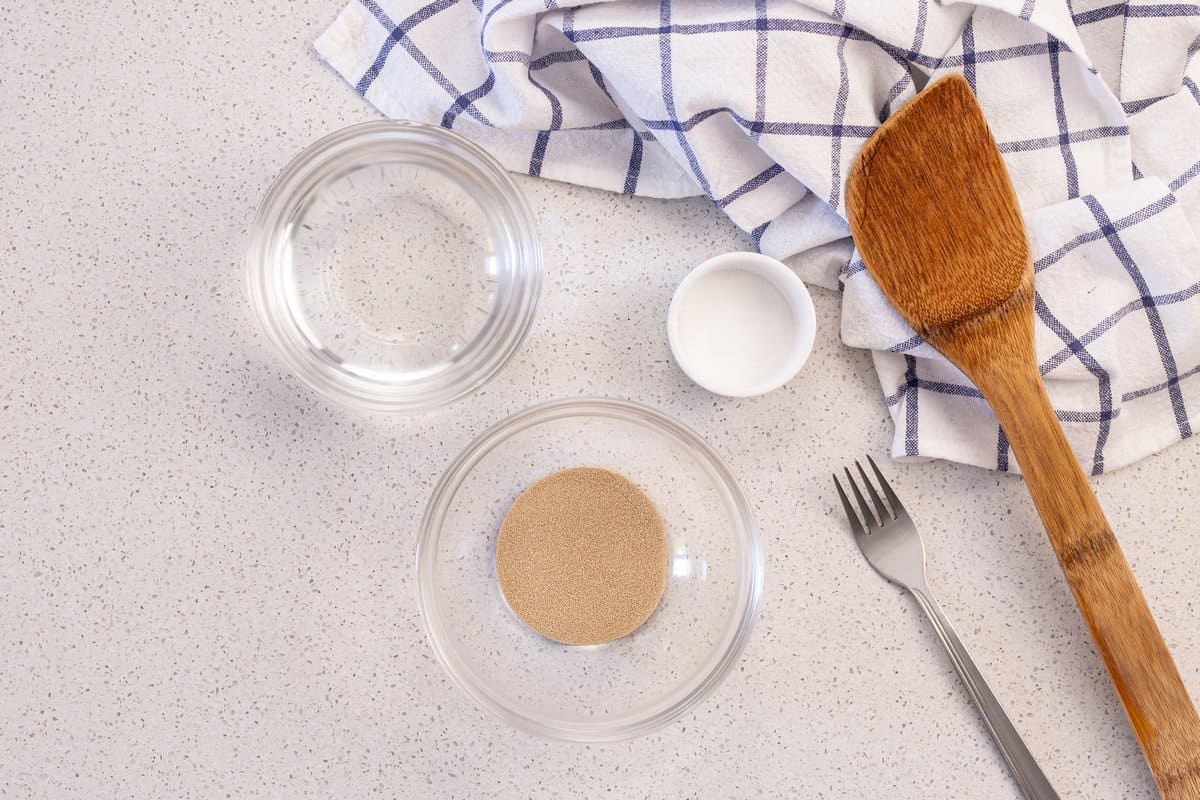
pixel 635 684
pixel 394 266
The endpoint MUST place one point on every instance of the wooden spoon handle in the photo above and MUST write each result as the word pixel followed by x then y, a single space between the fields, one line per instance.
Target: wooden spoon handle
pixel 1105 588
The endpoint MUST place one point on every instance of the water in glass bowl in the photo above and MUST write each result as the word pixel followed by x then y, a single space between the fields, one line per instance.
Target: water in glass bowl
pixel 393 269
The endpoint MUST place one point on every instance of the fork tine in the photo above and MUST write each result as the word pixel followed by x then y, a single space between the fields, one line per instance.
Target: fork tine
pixel 879 506
pixel 855 523
pixel 868 518
pixel 897 506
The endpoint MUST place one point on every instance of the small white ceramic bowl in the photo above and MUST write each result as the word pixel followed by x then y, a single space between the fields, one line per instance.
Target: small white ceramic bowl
pixel 741 324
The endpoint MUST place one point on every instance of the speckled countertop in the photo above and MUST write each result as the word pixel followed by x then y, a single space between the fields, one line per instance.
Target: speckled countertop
pixel 205 571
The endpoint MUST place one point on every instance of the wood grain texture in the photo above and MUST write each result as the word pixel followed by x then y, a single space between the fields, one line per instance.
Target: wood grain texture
pixel 937 222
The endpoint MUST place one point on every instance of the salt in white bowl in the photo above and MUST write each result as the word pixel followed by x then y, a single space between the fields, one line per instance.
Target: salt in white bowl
pixel 741 324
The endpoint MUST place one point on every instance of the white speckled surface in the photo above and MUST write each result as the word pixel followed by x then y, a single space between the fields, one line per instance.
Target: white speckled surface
pixel 206 572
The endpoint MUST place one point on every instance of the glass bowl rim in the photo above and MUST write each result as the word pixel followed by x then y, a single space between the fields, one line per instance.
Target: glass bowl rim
pixel 676 702
pixel 292 185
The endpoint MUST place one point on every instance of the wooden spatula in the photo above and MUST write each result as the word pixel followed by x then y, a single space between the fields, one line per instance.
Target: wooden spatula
pixel 936 220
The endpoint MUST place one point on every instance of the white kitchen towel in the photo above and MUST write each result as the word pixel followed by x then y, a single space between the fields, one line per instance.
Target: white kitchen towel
pixel 762 106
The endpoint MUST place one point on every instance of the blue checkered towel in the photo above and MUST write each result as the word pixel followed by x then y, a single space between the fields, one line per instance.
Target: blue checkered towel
pixel 762 105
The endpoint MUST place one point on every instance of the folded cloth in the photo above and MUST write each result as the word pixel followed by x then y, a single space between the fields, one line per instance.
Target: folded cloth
pixel 762 106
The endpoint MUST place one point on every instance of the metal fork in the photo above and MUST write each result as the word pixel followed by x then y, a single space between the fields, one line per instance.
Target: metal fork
pixel 892 545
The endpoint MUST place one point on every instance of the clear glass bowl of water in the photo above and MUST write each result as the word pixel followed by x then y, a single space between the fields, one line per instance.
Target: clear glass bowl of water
pixel 394 266
pixel 629 686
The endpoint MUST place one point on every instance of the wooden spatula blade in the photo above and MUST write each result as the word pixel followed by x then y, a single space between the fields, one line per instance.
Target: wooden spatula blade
pixel 913 196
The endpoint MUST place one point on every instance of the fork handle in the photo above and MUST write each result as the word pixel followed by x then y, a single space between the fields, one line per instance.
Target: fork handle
pixel 1024 767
